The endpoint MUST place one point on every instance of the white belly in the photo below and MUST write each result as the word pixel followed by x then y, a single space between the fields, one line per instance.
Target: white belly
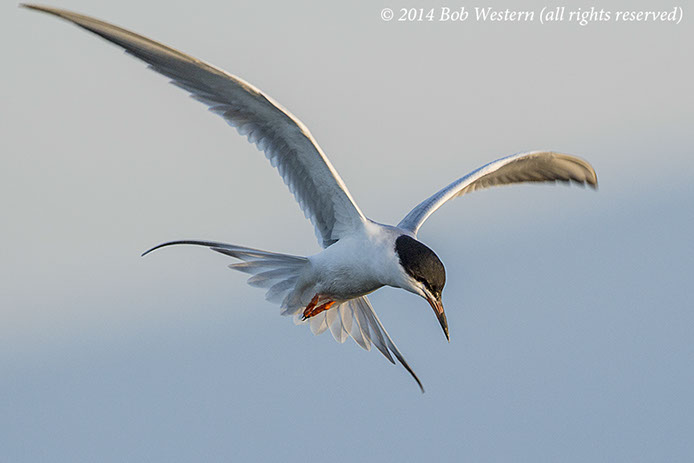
pixel 355 266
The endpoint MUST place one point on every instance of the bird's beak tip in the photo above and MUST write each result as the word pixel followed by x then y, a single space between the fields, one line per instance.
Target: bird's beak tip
pixel 441 315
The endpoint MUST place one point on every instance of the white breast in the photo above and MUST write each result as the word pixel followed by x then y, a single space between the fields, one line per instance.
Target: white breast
pixel 357 265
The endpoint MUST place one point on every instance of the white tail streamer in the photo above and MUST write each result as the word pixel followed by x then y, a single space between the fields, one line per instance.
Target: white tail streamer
pixel 280 273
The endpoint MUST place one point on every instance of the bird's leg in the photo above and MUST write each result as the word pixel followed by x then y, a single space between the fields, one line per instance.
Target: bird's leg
pixel 317 310
pixel 311 305
pixel 311 310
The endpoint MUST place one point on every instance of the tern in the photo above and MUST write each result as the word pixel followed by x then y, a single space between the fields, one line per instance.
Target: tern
pixel 328 290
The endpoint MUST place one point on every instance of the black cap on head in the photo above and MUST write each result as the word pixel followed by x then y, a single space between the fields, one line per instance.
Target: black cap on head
pixel 421 263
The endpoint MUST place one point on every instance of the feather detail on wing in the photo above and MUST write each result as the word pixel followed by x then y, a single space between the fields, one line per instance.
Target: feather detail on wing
pixel 536 166
pixel 286 141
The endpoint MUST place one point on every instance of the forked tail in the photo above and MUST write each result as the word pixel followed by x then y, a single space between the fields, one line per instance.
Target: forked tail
pixel 279 273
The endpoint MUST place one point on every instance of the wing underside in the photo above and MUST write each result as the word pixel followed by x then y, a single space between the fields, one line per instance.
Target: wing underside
pixel 285 140
pixel 533 167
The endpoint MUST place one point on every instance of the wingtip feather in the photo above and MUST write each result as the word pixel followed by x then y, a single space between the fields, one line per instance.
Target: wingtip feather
pixel 43 9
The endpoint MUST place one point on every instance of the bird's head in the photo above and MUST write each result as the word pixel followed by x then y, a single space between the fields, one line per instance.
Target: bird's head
pixel 423 274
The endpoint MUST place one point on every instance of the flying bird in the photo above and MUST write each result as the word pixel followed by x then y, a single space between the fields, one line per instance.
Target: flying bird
pixel 328 290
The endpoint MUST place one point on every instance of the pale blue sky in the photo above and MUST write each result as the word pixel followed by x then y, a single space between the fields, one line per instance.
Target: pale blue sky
pixel 570 310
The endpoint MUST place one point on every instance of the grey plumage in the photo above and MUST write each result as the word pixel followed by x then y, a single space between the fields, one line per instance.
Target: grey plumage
pixel 536 166
pixel 287 143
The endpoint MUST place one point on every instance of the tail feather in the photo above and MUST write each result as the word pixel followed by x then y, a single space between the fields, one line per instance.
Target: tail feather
pixel 267 278
pixel 279 274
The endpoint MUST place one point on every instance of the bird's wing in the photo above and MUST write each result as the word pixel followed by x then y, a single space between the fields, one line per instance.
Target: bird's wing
pixel 536 166
pixel 286 141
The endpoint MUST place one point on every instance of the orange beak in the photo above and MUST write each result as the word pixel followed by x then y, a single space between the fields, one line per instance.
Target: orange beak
pixel 440 314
